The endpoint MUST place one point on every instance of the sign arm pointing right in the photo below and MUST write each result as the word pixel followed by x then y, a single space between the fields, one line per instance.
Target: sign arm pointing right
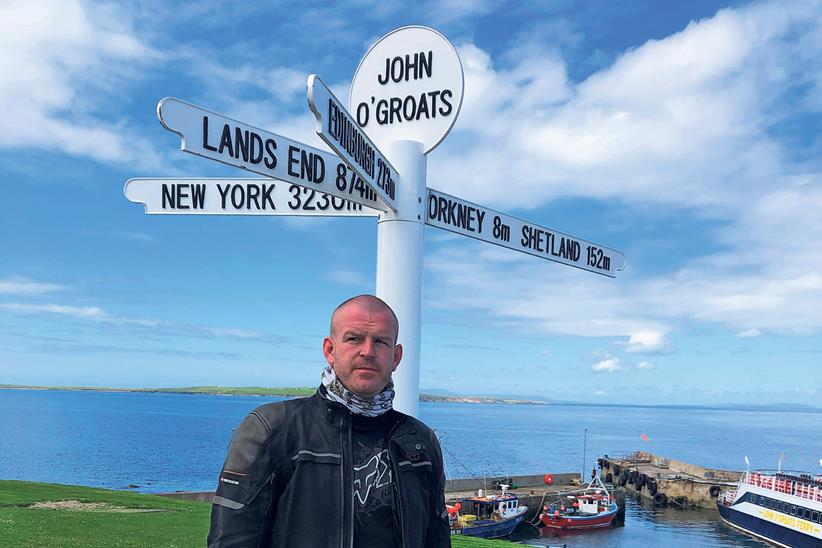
pixel 479 222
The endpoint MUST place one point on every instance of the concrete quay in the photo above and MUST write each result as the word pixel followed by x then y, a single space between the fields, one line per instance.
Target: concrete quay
pixel 457 488
pixel 667 481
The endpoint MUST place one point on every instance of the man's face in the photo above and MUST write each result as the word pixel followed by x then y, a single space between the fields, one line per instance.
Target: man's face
pixel 362 348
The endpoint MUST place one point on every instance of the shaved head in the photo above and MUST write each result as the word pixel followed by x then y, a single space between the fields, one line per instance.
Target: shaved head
pixel 362 346
pixel 368 303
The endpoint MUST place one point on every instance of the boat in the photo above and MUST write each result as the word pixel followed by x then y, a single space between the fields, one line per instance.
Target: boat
pixel 487 516
pixel 589 508
pixel 784 509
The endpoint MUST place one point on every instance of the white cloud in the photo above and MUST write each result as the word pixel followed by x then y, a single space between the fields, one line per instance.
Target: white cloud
pixel 748 333
pixel 694 121
pixel 610 365
pixel 233 332
pixel 135 236
pixel 447 11
pixel 547 298
pixel 56 56
pixel 345 276
pixel 155 327
pixel 23 286
pixel 682 120
pixel 646 341
pixel 83 312
pixel 645 366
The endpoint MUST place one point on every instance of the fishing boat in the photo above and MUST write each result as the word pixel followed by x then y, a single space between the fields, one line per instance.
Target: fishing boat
pixel 588 508
pixel 784 509
pixel 486 516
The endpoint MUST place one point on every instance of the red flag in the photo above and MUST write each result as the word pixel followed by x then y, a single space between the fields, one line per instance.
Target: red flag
pixel 644 437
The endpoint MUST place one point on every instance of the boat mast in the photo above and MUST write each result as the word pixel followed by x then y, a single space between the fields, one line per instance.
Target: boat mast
pixel 584 447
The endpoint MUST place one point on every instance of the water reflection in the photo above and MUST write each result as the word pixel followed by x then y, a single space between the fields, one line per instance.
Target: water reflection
pixel 649 525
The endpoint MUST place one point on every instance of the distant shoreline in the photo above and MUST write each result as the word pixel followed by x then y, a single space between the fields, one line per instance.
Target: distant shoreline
pixel 298 392
pixel 262 391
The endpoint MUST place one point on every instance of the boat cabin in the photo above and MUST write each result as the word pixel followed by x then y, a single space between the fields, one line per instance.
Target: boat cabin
pixel 589 505
pixel 491 506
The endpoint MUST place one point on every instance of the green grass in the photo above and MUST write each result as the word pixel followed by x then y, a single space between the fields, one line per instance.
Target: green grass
pixel 177 523
pixel 469 542
pixel 174 523
pixel 239 391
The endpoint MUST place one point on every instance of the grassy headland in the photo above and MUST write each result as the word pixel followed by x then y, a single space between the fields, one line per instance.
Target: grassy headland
pixel 218 390
pixel 265 391
pixel 47 514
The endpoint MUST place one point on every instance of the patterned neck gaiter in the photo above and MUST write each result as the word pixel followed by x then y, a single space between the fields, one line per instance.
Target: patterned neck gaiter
pixel 373 406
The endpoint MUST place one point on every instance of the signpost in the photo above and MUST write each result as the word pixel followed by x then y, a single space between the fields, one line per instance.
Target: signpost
pixel 405 96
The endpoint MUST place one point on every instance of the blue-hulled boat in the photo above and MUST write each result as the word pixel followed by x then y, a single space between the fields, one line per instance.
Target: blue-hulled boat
pixel 490 516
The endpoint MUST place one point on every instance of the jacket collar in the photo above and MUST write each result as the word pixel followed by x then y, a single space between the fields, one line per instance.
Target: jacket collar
pixel 331 411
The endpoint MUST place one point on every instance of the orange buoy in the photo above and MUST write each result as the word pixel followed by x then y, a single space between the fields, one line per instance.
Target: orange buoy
pixel 548 479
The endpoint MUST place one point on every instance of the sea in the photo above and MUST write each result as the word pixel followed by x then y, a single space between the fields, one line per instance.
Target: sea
pixel 158 443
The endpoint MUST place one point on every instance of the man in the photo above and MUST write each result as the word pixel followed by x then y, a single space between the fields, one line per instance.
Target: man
pixel 340 468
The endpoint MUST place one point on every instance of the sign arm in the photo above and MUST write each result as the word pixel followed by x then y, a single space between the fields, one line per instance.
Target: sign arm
pixel 338 129
pixel 235 196
pixel 160 109
pixel 228 141
pixel 475 221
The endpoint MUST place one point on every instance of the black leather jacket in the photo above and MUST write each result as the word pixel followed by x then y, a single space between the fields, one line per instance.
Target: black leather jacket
pixel 288 480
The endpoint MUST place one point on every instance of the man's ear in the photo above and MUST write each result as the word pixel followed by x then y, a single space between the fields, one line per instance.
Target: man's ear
pixel 328 350
pixel 397 356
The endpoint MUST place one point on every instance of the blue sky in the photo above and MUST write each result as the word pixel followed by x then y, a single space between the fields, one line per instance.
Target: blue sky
pixel 685 134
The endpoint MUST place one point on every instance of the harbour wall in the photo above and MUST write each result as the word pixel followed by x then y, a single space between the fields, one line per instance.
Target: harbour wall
pixel 523 485
pixel 667 481
pixel 531 490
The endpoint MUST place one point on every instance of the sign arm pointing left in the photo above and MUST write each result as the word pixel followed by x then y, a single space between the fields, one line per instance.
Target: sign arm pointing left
pixel 228 196
pixel 216 137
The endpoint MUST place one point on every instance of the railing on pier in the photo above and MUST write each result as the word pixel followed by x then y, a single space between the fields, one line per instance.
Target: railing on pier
pixel 810 490
pixel 636 457
pixel 726 498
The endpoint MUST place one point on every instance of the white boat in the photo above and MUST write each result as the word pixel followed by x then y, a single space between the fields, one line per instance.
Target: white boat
pixel 783 509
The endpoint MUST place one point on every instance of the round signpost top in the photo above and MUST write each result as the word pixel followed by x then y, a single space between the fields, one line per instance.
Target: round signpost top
pixel 408 86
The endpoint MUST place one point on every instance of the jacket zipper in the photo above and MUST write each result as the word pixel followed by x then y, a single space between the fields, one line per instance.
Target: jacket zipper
pixel 396 485
pixel 348 470
pixel 342 481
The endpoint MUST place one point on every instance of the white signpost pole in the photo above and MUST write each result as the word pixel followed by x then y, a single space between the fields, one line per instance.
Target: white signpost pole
pixel 399 266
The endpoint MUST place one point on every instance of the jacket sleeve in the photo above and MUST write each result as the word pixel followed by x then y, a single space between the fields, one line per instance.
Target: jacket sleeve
pixel 245 500
pixel 439 532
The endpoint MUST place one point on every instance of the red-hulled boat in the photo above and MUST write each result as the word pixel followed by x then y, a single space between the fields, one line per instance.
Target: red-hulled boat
pixel 589 508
